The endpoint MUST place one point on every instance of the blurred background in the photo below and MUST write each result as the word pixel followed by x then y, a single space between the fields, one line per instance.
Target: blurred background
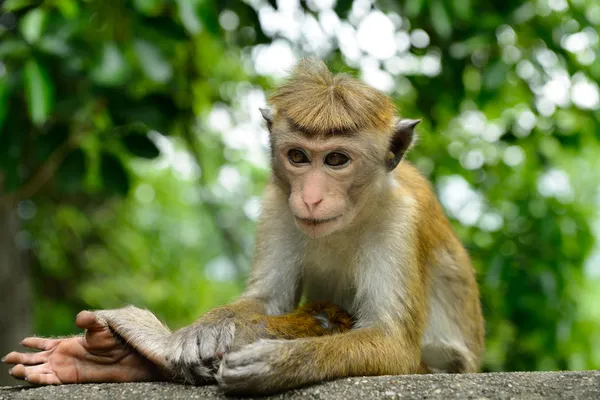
pixel 133 155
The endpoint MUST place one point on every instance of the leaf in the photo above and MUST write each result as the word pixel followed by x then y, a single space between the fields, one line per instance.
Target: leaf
pixel 342 8
pixel 141 146
pixel 4 91
pixel 39 92
pixel 413 8
pixel 68 8
pixel 189 17
pixel 16 5
pixel 164 28
pixel 71 173
pixel 440 19
pixel 495 75
pixel 13 48
pixel 112 69
pixel 32 25
pixel 462 9
pixel 113 174
pixel 152 62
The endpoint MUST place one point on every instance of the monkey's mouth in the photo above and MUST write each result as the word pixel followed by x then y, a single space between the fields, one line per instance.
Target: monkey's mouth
pixel 316 221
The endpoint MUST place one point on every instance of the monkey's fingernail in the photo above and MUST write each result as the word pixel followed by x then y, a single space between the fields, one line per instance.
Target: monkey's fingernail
pixel 10 371
pixel 3 358
pixel 27 378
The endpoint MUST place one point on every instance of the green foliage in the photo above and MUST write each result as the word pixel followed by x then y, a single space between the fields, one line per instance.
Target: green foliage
pixel 149 203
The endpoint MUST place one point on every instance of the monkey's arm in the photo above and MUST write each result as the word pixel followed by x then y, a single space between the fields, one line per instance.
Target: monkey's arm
pixel 392 309
pixel 118 345
pixel 270 366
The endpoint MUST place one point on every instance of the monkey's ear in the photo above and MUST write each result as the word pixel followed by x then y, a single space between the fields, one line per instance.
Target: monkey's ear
pixel 402 139
pixel 267 114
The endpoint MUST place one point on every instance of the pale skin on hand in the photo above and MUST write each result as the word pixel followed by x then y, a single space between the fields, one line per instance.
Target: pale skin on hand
pixel 96 356
pixel 344 220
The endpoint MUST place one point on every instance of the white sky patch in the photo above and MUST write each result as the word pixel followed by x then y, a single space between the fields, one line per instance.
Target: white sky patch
pixel 229 20
pixel 374 76
pixel 513 156
pixel 375 35
pixel 555 183
pixel 315 40
pixel 431 64
pixel 491 222
pixel 220 269
pixel 558 5
pixel 419 38
pixel 219 118
pixel 461 201
pixel 346 36
pixel 329 21
pixel 184 165
pixel 473 122
pixel 576 42
pixel 506 35
pixel 276 59
pixel 546 57
pixel 492 132
pixel 473 159
pixel 145 193
pixel 253 207
pixel 402 41
pixel 230 178
pixel 319 5
pixel 359 9
pixel 585 93
pixel 557 88
pixel 526 121
pixel 545 107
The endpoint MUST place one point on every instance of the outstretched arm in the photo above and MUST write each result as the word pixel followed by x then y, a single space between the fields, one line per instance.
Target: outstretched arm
pixel 131 345
pixel 96 356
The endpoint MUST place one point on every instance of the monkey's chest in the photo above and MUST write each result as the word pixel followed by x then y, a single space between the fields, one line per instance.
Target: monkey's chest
pixel 328 276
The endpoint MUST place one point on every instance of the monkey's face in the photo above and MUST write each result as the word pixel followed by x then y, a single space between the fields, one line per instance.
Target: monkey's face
pixel 325 175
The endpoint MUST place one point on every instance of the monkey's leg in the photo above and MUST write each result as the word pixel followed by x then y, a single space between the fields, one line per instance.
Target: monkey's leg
pixel 97 356
pixel 270 366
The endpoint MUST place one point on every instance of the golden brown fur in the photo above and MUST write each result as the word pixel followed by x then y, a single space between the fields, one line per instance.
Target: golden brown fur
pixel 317 101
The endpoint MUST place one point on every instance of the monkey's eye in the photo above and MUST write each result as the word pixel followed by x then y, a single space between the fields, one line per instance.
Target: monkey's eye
pixel 336 159
pixel 297 157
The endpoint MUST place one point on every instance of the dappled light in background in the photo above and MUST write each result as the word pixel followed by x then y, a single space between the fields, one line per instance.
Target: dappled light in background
pixel 155 202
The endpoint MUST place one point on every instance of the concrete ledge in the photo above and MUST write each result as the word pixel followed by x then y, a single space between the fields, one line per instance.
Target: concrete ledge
pixel 509 385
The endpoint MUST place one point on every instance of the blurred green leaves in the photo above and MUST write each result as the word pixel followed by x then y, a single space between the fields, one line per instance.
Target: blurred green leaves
pixel 141 146
pixel 115 178
pixel 39 91
pixel 119 92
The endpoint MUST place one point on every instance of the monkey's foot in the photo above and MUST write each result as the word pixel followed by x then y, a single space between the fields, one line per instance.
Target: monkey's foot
pixel 96 356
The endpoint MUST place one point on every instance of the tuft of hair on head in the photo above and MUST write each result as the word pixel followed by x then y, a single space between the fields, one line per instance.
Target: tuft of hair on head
pixel 316 101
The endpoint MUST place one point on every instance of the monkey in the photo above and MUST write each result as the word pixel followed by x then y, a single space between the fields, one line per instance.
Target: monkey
pixel 104 355
pixel 345 219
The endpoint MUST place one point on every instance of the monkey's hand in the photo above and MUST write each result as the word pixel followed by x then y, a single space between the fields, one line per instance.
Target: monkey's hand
pixel 265 367
pixel 195 350
pixel 97 356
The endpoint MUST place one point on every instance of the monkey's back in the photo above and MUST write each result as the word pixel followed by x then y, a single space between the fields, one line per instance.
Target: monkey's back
pixel 455 315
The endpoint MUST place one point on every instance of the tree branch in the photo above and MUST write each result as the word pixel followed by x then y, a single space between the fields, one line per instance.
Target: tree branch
pixel 43 174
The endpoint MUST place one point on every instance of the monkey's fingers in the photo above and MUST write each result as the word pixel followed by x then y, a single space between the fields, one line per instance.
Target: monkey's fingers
pixel 39 343
pixel 26 358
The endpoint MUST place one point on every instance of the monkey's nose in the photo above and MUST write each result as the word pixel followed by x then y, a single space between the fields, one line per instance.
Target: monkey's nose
pixel 312 205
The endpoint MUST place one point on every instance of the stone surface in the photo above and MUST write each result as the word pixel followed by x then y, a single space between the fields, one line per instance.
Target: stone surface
pixel 515 385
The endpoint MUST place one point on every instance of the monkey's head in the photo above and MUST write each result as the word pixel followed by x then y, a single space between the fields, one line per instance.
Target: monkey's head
pixel 334 143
